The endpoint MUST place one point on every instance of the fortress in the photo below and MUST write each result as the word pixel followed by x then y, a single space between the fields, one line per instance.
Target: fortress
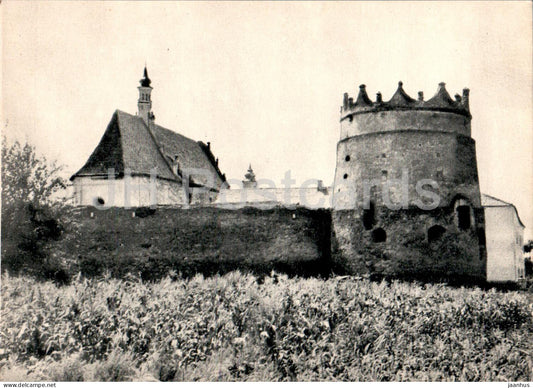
pixel 406 195
pixel 405 202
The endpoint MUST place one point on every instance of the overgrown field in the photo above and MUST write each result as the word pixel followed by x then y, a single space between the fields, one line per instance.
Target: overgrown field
pixel 240 327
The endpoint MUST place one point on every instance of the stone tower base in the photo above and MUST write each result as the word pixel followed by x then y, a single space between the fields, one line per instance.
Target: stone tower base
pixel 403 244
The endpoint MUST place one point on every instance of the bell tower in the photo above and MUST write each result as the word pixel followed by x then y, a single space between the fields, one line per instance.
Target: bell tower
pixel 144 104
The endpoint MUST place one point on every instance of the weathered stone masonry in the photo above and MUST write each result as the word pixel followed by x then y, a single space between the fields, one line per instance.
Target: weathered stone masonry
pixel 402 143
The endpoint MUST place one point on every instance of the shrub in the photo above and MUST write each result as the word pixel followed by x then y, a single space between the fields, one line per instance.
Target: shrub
pixel 30 215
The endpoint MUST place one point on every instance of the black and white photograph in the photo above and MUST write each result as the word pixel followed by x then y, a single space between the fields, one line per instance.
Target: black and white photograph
pixel 266 191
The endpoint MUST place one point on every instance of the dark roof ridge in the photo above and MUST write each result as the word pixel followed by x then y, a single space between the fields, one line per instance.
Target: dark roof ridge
pixel 116 113
pixel 158 126
pixel 158 146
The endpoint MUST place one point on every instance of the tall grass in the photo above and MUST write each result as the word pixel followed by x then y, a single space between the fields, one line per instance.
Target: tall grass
pixel 239 327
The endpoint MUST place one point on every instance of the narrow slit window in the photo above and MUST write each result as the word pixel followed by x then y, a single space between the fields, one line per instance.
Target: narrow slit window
pixel 369 216
pixel 481 237
pixel 463 217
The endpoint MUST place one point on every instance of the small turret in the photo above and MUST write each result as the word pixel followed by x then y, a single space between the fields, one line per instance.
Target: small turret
pixel 400 98
pixel 362 98
pixel 250 181
pixel 465 99
pixel 441 99
pixel 144 104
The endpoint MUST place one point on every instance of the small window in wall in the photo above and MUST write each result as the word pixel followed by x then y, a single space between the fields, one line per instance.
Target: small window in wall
pixel 379 235
pixel 384 173
pixel 345 176
pixel 481 237
pixel 435 233
pixel 369 216
pixel 463 217
pixel 347 158
pixel 99 201
pixel 383 155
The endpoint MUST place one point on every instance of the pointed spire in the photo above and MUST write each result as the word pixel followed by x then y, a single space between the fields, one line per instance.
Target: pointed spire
pixel 145 81
pixel 441 99
pixel 362 97
pixel 400 98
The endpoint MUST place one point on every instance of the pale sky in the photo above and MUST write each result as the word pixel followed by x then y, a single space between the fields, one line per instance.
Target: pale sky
pixel 264 81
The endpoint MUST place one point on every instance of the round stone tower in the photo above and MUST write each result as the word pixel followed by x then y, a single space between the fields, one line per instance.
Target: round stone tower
pixel 406 198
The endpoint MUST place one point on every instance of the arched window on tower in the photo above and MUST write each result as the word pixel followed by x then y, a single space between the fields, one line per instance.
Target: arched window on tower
pixel 463 217
pixel 463 213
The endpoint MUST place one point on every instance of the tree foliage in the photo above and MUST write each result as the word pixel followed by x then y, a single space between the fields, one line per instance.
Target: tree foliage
pixel 30 184
pixel 27 177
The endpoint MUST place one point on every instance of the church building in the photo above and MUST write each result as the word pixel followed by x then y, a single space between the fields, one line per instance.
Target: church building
pixel 139 163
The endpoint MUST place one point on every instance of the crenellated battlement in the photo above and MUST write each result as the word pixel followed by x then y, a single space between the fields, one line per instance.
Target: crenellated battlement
pixel 441 102
pixel 387 152
pixel 403 113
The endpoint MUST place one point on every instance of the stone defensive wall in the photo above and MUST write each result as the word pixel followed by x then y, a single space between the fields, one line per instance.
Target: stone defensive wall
pixel 208 240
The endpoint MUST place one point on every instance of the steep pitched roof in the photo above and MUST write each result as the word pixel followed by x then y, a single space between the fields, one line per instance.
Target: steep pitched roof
pixel 128 143
pixel 107 155
pixel 191 154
